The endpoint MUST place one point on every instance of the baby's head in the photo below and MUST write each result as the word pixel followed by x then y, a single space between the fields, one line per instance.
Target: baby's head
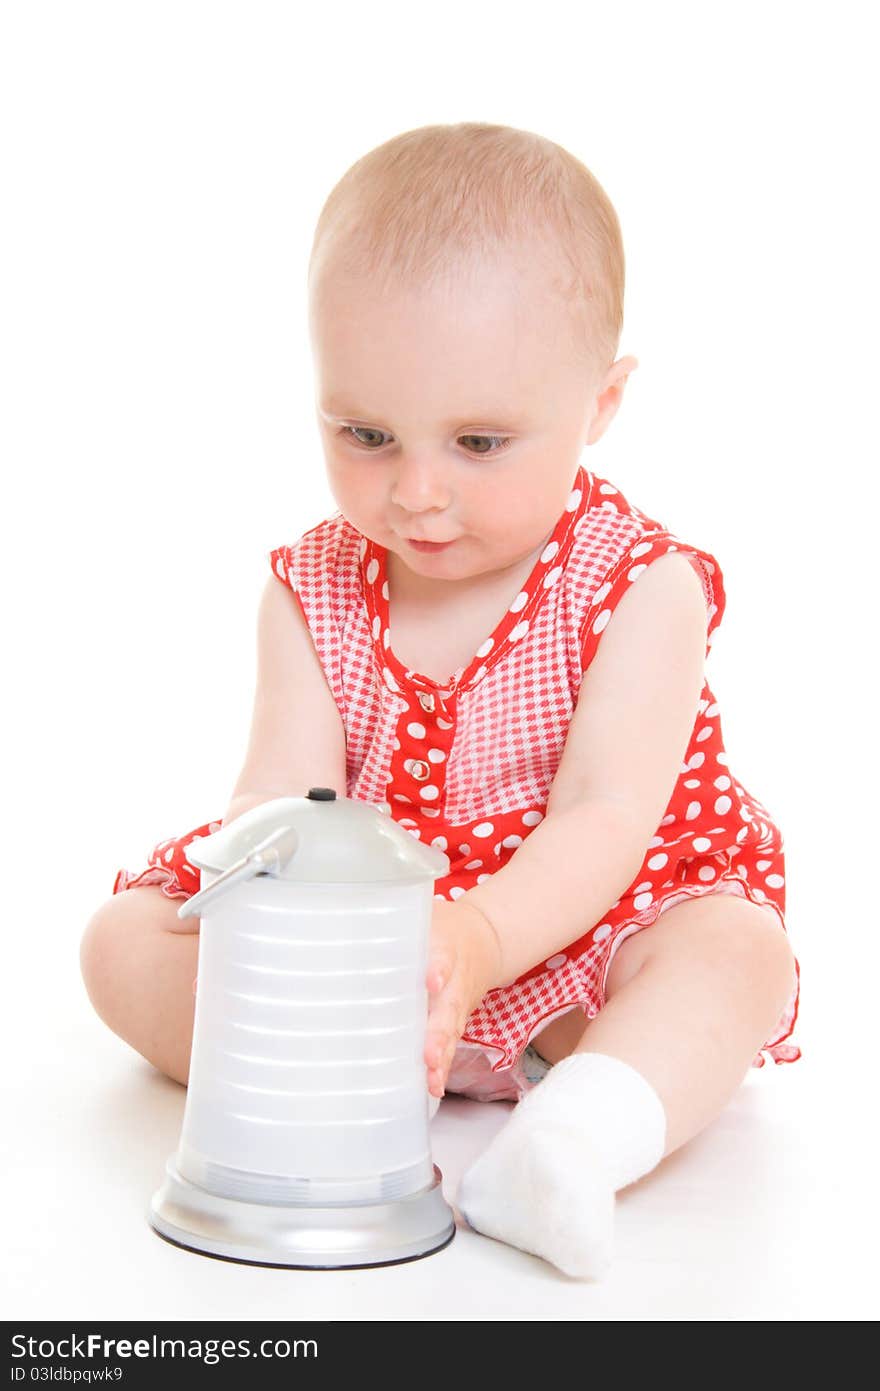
pixel 465 306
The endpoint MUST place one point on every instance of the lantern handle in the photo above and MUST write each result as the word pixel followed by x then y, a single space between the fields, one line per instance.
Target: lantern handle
pixel 269 857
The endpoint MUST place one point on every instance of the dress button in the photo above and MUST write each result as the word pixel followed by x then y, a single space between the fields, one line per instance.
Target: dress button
pixel 426 700
pixel 419 769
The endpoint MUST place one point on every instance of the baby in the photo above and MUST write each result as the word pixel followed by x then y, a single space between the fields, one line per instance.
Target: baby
pixel 496 647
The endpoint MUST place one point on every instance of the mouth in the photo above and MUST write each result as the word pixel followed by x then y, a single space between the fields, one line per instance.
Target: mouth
pixel 428 546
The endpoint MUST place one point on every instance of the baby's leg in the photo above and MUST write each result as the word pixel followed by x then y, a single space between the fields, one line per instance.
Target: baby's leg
pixel 673 1042
pixel 139 975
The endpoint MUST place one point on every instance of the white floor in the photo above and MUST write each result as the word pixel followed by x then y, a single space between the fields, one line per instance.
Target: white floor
pixel 770 1213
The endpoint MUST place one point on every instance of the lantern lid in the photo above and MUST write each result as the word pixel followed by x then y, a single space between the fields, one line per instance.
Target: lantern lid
pixel 339 840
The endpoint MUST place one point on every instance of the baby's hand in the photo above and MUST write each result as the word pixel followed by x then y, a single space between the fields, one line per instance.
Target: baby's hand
pixel 464 962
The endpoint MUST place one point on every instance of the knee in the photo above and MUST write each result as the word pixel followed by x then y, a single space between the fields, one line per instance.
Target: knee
pixel 100 950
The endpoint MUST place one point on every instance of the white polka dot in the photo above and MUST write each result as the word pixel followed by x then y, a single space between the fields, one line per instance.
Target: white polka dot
pixel 441 842
pixel 519 631
pixel 549 552
pixel 532 818
pixel 722 783
pixel 763 864
pixel 775 881
pixel 658 861
pixel 484 829
pixel 168 853
pixel 722 805
pixel 641 549
pixel 444 724
pixel 496 849
pixel 602 931
pixel 417 731
pixel 412 832
pixel 668 820
pixel 602 621
pixel 693 811
pixel 385 591
pixel 574 498
pixel 607 488
pixel 722 759
pixel 636 571
pixel 386 638
pixel 741 835
pixel 479 674
pixel 701 844
pixel 481 878
pixel 464 850
pixel 609 506
pixel 474 864
pixel 436 755
pixel 656 840
pixel 705 733
pixel 601 593
pixel 519 602
pixel 713 710
pixel 457 891
pixel 430 811
pixel 399 797
pixel 372 571
pixel 377 624
pixel 696 760
pixel 429 792
pixel 512 842
pixel 642 901
pixel 551 577
pixel 759 893
pixel 485 647
pixel 640 888
pixel 706 872
pixel 691 782
pixel 554 962
pixel 389 680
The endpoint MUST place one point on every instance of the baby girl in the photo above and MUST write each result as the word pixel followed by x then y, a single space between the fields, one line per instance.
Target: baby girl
pixel 495 646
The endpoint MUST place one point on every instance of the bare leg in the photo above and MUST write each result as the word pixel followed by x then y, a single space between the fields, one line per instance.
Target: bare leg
pixel 139 975
pixel 693 998
pixel 688 1003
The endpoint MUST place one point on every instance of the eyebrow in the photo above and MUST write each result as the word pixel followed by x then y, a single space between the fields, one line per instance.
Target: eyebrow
pixel 334 410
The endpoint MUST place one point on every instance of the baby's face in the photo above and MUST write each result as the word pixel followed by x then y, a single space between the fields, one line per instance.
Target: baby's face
pixel 454 414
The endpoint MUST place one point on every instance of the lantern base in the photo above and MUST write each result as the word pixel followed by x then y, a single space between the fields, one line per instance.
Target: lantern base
pixel 311 1238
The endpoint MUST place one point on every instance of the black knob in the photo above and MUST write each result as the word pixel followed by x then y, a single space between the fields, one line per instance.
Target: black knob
pixel 322 794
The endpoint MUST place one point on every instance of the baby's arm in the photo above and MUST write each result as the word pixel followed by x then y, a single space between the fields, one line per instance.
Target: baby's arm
pixel 634 717
pixel 297 736
pixel 630 730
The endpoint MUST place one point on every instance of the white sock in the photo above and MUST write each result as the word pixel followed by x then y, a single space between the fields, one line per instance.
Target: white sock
pixel 547 1181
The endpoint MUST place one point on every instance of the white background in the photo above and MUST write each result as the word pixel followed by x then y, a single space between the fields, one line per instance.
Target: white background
pixel 163 165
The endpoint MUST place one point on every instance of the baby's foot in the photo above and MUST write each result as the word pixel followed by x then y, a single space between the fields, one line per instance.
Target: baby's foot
pixel 541 1186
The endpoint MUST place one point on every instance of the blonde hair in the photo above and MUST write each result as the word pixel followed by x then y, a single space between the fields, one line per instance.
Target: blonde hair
pixel 440 197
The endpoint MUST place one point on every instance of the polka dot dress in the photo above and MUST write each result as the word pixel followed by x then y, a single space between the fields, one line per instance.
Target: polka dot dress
pixel 467 765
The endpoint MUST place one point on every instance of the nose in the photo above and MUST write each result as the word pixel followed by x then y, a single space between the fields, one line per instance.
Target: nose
pixel 419 486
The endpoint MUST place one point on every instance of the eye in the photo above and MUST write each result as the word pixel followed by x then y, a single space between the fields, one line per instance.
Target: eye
pixel 502 441
pixel 354 430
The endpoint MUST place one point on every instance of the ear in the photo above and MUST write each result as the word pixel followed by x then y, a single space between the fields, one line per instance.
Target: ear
pixel 609 397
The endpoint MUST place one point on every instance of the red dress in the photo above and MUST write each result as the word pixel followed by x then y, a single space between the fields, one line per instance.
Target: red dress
pixel 468 766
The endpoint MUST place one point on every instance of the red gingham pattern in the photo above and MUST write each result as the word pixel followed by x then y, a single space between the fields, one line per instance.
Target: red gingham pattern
pixel 506 714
